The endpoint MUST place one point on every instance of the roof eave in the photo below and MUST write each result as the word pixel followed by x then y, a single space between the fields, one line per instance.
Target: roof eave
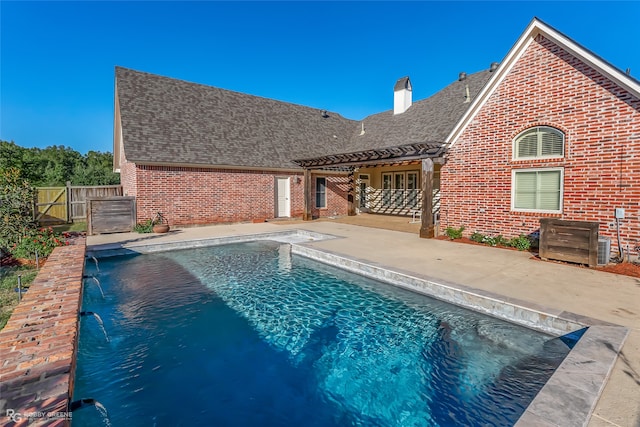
pixel 292 169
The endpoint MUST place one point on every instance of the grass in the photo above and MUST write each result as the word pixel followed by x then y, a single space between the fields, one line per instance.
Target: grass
pixel 74 226
pixel 8 284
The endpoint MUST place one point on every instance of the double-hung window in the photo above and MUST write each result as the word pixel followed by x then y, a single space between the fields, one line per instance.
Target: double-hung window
pixel 537 190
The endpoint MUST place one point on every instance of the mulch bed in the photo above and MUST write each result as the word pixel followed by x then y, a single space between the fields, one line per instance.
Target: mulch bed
pixel 624 268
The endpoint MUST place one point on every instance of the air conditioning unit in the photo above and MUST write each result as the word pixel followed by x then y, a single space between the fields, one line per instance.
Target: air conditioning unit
pixel 604 250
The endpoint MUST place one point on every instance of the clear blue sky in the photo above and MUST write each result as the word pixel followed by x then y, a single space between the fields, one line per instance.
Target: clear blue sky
pixel 57 59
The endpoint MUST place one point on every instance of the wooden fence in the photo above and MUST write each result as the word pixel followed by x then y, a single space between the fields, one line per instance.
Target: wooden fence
pixel 110 215
pixel 51 205
pixel 58 205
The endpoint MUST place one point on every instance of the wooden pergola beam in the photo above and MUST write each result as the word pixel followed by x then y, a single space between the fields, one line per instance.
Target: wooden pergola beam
pixel 307 216
pixel 427 228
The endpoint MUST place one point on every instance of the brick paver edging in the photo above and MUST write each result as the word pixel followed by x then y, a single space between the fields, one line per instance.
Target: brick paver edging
pixel 39 343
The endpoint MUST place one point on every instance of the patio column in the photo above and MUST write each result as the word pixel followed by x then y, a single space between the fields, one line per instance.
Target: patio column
pixel 306 216
pixel 351 208
pixel 427 229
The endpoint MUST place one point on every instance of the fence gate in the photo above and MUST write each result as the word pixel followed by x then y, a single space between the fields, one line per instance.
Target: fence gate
pixel 51 205
pixel 59 205
pixel 79 194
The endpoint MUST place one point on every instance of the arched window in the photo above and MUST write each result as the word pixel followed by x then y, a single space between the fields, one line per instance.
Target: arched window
pixel 539 142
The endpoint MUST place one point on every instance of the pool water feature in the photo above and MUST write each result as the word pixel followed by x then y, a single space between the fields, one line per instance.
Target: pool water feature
pixel 248 334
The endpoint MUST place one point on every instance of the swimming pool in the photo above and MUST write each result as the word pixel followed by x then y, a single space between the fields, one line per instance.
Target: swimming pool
pixel 248 334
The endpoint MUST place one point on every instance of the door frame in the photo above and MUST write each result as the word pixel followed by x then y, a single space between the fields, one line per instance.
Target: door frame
pixel 287 181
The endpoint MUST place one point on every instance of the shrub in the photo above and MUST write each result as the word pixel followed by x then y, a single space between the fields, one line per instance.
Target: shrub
pixel 496 240
pixel 16 208
pixel 477 237
pixel 522 243
pixel 144 227
pixel 454 233
pixel 147 226
pixel 42 240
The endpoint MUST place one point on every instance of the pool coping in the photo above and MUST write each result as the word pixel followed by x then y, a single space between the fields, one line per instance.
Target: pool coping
pixel 569 396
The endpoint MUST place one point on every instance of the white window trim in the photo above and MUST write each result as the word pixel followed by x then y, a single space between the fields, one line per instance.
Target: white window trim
pixel 514 151
pixel 325 193
pixel 541 211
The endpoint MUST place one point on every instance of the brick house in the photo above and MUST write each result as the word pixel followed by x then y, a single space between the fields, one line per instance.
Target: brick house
pixel 553 131
pixel 204 155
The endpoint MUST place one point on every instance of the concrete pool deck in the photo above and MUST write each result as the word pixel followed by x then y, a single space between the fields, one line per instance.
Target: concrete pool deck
pixel 604 296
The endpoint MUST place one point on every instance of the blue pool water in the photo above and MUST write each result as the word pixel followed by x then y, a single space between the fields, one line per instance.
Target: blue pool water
pixel 249 335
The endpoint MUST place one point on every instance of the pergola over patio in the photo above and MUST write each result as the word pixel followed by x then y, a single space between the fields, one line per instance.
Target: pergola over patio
pixel 426 154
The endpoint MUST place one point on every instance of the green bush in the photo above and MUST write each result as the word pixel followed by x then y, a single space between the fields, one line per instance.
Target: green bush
pixel 147 226
pixel 16 208
pixel 144 227
pixel 454 233
pixel 42 240
pixel 495 240
pixel 522 243
pixel 477 237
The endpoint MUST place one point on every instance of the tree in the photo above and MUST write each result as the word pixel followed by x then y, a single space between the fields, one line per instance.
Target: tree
pixel 55 165
pixel 16 208
pixel 96 169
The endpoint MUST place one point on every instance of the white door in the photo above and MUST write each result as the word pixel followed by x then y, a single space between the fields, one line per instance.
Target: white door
pixel 283 197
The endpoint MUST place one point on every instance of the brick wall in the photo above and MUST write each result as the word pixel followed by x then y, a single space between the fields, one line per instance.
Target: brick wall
pixel 601 122
pixel 128 178
pixel 38 345
pixel 337 189
pixel 190 196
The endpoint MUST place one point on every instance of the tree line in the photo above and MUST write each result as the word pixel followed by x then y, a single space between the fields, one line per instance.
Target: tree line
pixel 55 165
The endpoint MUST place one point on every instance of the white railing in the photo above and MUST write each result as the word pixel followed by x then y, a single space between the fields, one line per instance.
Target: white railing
pixel 394 202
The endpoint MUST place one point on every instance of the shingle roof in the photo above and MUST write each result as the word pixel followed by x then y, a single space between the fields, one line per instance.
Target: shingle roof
pixel 171 121
pixel 427 120
pixel 166 120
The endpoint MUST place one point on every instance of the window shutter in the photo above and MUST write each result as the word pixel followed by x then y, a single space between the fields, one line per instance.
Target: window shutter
pixel 552 142
pixel 525 197
pixel 549 190
pixel 528 145
pixel 538 190
pixel 541 141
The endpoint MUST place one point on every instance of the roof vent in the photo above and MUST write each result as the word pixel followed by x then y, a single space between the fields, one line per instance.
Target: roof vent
pixel 628 72
pixel 462 76
pixel 493 66
pixel 325 114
